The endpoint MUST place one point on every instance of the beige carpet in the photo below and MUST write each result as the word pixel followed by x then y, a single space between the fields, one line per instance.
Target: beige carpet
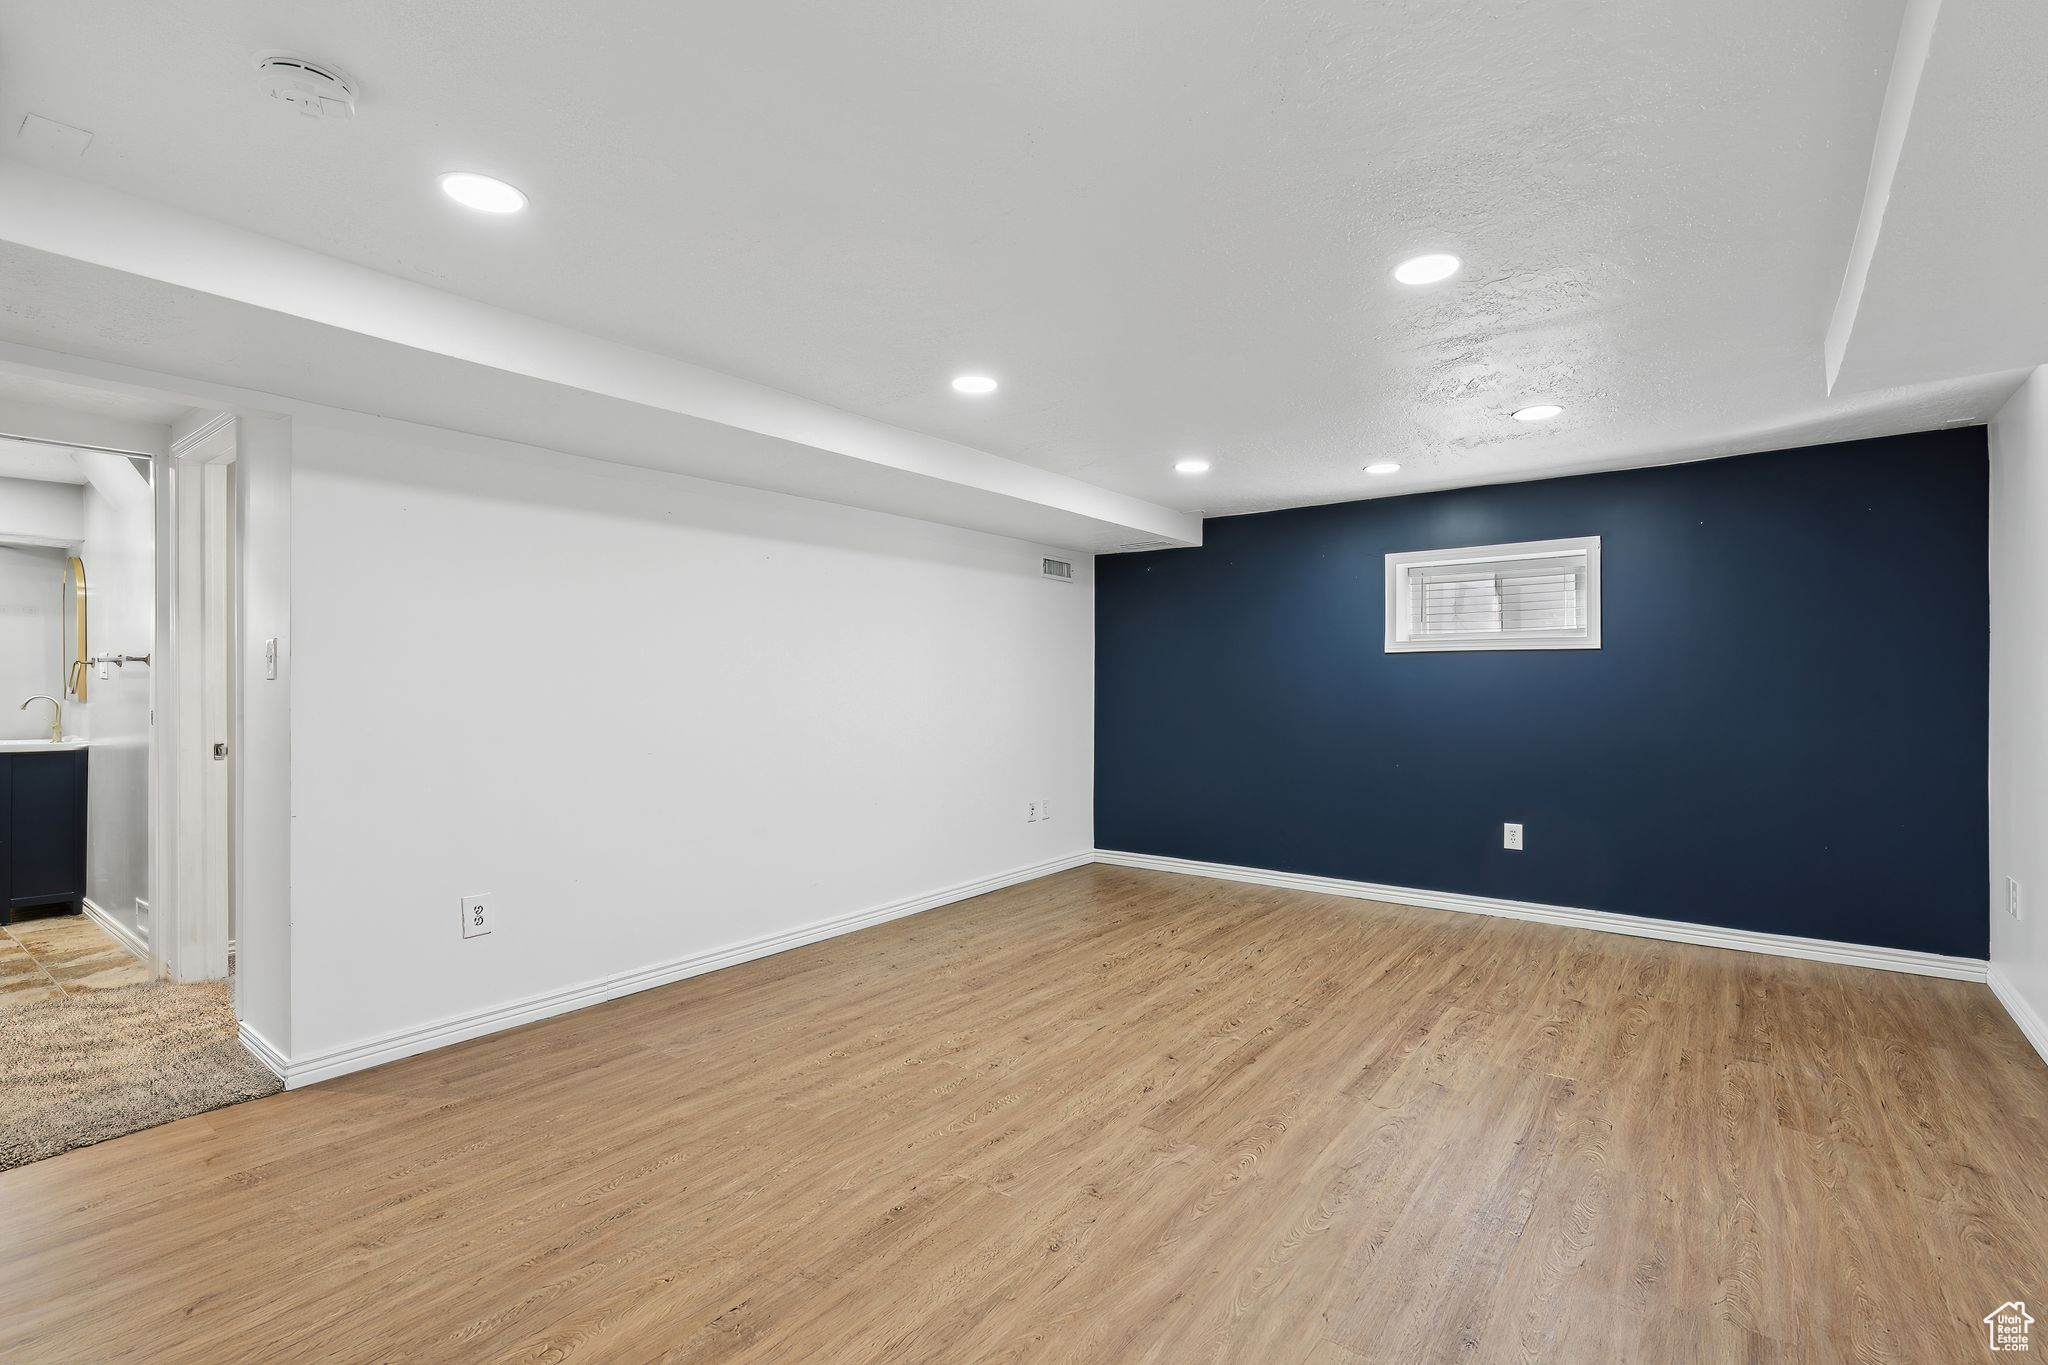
pixel 81 1068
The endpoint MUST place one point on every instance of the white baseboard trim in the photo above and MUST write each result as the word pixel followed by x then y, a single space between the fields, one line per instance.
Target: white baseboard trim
pixel 259 1047
pixel 2022 1013
pixel 1676 931
pixel 390 1047
pixel 116 930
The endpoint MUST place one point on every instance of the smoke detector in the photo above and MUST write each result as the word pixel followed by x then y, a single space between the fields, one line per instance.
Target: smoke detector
pixel 310 89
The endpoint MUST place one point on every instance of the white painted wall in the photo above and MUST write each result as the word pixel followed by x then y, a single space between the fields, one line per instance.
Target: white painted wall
pixel 2019 682
pixel 31 637
pixel 652 717
pixel 263 815
pixel 38 512
pixel 119 550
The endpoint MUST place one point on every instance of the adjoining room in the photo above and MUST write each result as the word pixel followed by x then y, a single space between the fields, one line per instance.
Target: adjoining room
pixel 1306 684
pixel 106 1032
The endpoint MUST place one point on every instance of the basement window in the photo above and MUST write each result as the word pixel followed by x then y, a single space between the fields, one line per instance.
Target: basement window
pixel 1541 594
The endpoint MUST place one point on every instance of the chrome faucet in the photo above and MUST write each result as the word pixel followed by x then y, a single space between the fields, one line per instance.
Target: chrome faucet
pixel 56 716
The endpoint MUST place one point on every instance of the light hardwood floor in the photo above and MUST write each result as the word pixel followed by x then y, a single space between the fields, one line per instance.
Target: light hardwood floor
pixel 1109 1116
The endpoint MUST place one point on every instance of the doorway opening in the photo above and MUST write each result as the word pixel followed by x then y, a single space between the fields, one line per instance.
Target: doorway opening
pixel 119 584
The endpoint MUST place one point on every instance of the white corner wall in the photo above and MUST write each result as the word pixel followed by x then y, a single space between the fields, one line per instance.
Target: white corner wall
pixel 263 815
pixel 2019 720
pixel 661 722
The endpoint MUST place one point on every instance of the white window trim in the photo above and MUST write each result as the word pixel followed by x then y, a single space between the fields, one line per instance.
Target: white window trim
pixel 1399 562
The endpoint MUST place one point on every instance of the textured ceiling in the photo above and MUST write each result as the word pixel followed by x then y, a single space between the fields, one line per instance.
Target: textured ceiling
pixel 1167 227
pixel 1957 282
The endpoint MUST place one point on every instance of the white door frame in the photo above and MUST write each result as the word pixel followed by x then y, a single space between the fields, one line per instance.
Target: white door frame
pixel 261 745
pixel 192 885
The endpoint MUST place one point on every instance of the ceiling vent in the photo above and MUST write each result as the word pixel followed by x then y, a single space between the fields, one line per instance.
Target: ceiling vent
pixel 1061 570
pixel 310 89
pixel 1138 545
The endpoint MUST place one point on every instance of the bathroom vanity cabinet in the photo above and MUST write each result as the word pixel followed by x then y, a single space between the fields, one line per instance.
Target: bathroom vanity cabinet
pixel 42 829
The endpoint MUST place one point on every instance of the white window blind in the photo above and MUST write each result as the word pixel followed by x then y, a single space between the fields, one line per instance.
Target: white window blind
pixel 1539 595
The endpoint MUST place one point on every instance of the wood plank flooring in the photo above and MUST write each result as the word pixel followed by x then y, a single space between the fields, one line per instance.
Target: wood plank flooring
pixel 1110 1116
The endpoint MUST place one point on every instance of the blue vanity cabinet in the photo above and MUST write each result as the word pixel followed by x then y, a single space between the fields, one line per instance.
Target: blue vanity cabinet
pixel 42 830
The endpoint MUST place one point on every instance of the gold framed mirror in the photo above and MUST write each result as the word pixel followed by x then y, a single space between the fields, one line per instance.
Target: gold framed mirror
pixel 77 675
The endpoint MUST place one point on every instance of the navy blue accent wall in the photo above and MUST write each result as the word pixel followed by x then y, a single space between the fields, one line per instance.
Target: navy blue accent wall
pixel 1785 729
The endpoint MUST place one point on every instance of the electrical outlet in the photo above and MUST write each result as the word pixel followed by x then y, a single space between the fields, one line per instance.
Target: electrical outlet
pixel 476 916
pixel 142 917
pixel 1511 836
pixel 2012 897
pixel 1045 810
pixel 1031 814
pixel 270 658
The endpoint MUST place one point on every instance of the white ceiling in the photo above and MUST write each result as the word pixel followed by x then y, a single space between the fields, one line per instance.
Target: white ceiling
pixel 46 422
pixel 156 302
pixel 1957 282
pixel 1165 226
pixel 88 399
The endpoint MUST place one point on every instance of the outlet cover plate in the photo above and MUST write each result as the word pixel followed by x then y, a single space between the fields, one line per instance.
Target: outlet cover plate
pixel 477 919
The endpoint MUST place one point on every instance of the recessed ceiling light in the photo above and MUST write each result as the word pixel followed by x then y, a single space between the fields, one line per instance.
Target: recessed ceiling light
pixel 1427 269
pixel 1541 412
pixel 1383 467
pixel 1191 467
pixel 974 383
pixel 481 192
